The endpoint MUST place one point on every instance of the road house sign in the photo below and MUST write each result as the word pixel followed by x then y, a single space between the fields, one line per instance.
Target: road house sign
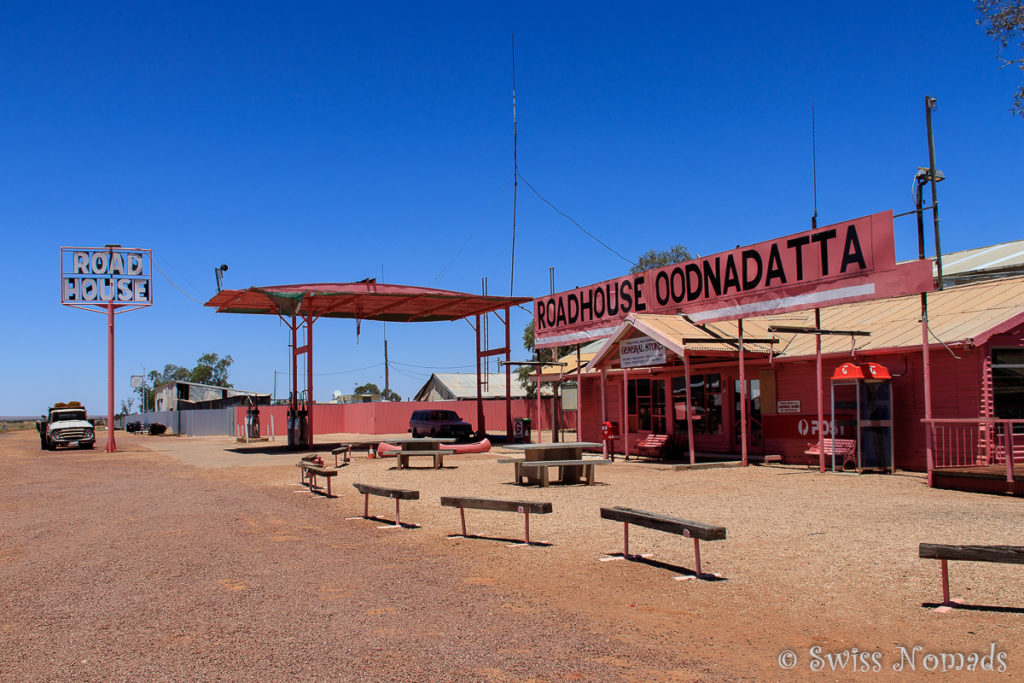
pixel 849 261
pixel 102 275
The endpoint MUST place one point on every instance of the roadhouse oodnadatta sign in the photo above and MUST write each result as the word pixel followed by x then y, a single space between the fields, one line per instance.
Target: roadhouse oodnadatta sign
pixel 840 263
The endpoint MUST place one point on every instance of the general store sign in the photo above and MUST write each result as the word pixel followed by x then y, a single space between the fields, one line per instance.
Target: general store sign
pixel 841 263
pixel 102 275
pixel 641 352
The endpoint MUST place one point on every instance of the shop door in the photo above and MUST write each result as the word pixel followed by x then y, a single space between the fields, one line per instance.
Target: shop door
pixel 755 434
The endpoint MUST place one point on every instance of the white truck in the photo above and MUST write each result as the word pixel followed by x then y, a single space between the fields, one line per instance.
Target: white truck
pixel 66 424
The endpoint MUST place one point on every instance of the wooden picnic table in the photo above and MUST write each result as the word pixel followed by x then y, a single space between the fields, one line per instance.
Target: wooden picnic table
pixel 572 450
pixel 426 443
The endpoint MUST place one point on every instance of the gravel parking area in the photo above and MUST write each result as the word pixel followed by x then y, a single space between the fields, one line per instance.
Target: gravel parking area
pixel 186 558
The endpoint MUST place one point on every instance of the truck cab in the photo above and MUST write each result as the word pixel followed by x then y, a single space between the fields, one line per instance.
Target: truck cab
pixel 66 424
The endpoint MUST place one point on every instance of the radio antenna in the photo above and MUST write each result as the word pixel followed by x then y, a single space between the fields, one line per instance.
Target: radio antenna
pixel 814 172
pixel 515 171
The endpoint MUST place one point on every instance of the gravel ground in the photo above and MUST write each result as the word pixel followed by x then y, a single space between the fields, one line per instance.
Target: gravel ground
pixel 198 558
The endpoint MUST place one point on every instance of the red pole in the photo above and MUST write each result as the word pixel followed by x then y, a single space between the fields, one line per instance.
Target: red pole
pixel 929 433
pixel 625 414
pixel 689 409
pixel 821 391
pixel 537 429
pixel 743 407
pixel 309 379
pixel 479 389
pixel 508 377
pixel 111 443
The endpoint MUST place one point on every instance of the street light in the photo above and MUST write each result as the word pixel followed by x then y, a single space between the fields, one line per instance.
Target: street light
pixel 922 178
pixel 219 273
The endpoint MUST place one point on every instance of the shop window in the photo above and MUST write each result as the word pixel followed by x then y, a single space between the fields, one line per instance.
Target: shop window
pixel 705 396
pixel 1008 383
pixel 647 405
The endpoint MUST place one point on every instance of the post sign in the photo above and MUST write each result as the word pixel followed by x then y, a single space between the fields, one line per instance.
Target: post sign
pixel 641 352
pixel 98 276
pixel 110 279
pixel 787 407
pixel 841 263
pixel 136 381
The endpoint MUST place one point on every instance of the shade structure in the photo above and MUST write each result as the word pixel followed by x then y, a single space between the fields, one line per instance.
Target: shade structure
pixel 361 301
pixel 300 305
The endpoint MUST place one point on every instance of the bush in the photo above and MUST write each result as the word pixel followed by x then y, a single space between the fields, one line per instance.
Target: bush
pixel 157 428
pixel 133 427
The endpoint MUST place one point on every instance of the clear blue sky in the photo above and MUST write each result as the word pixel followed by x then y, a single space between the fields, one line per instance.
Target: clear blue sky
pixel 329 142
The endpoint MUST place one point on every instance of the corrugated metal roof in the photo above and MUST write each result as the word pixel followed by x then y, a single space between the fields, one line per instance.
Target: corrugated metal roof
pixel 997 257
pixel 963 314
pixel 462 385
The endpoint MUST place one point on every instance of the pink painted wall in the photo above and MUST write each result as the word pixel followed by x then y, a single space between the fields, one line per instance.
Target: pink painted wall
pixel 392 418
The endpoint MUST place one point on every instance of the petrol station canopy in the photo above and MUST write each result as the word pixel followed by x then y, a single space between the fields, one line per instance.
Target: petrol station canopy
pixel 360 300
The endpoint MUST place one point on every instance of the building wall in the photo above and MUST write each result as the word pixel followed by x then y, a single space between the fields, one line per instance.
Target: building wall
pixel 956 393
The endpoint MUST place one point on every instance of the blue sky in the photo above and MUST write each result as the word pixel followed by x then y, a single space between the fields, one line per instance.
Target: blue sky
pixel 329 142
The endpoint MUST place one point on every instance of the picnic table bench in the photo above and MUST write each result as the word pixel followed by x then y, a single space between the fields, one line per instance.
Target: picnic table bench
pixel 437 455
pixel 845 450
pixel 309 471
pixel 1005 554
pixel 584 467
pixel 397 494
pixel 698 531
pixel 523 506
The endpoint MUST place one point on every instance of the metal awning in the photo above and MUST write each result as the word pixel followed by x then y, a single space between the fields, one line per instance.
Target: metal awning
pixel 361 301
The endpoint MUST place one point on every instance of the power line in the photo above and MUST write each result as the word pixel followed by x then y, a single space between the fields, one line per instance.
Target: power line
pixel 155 265
pixel 571 219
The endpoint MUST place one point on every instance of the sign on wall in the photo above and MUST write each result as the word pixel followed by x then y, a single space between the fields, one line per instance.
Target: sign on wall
pixel 641 352
pixel 841 263
pixel 787 407
pixel 102 275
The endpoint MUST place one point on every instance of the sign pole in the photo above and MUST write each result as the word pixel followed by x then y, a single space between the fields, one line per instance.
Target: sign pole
pixel 111 443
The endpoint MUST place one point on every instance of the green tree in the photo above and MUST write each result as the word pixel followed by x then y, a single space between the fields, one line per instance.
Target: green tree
pixel 1003 21
pixel 373 390
pixel 549 355
pixel 657 259
pixel 210 369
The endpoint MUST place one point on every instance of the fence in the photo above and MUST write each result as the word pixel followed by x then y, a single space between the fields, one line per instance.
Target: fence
pixel 218 422
pixel 977 442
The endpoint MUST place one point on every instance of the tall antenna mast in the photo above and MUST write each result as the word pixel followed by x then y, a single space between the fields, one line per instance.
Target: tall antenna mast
pixel 814 172
pixel 515 170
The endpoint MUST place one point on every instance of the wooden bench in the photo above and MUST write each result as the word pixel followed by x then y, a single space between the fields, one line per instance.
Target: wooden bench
pixel 698 531
pixel 397 494
pixel 345 451
pixel 523 506
pixel 528 467
pixel 438 456
pixel 309 471
pixel 1005 554
pixel 843 450
pixel 651 445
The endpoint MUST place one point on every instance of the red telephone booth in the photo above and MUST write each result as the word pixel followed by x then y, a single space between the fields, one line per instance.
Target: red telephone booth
pixel 865 407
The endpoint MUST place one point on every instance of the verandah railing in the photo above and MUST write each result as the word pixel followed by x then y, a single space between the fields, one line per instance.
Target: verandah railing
pixel 977 442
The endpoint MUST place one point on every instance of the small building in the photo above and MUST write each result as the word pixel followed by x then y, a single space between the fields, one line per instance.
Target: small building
pixel 180 395
pixel 461 386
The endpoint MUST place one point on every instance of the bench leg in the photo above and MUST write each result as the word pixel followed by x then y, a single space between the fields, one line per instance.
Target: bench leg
pixel 329 487
pixel 590 474
pixel 696 555
pixel 526 515
pixel 438 462
pixel 366 506
pixel 544 476
pixel 945 582
pixel 462 514
pixel 398 511
pixel 625 539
